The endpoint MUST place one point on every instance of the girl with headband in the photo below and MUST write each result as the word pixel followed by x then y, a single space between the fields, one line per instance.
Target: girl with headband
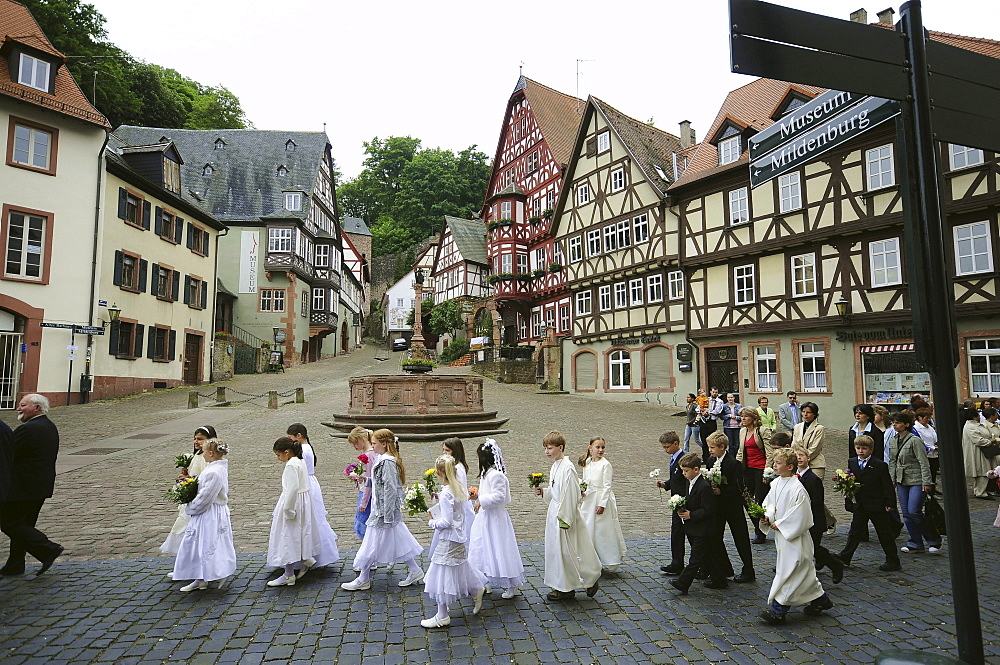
pixel 493 549
pixel 197 465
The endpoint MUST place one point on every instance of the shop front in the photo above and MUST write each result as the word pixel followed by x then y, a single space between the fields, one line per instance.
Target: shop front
pixel 891 375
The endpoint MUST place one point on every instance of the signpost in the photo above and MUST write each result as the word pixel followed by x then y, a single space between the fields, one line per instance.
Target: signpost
pixel 72 348
pixel 792 45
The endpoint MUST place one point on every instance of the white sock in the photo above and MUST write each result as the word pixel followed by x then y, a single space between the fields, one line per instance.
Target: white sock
pixel 290 570
pixel 442 611
pixel 415 569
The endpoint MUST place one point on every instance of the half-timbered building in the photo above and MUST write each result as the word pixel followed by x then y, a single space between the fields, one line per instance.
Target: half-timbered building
pixel 621 244
pixel 801 283
pixel 460 269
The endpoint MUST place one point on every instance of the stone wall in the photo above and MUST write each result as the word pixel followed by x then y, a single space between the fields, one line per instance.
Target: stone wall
pixel 507 371
pixel 222 360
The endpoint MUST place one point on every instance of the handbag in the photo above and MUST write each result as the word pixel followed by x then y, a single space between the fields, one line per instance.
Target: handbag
pixel 990 450
pixel 934 514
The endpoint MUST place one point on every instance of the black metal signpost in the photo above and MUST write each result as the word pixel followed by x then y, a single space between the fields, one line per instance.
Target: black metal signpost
pixel 946 94
pixel 74 329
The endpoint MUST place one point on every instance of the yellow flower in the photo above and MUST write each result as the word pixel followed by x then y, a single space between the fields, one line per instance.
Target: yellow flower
pixel 429 472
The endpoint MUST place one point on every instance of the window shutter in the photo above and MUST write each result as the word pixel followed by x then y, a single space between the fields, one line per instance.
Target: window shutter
pixel 137 349
pixel 158 221
pixel 122 202
pixel 187 290
pixel 173 345
pixel 147 208
pixel 190 237
pixel 113 339
pixel 143 265
pixel 177 285
pixel 178 230
pixel 204 243
pixel 204 295
pixel 591 146
pixel 119 264
pixel 151 344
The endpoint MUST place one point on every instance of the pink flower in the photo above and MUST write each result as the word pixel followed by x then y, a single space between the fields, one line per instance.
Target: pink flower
pixel 364 458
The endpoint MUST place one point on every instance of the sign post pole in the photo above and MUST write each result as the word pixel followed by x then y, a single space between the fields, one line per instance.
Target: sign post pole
pixel 72 354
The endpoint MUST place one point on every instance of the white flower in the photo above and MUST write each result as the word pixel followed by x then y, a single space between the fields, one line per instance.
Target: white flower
pixel 655 473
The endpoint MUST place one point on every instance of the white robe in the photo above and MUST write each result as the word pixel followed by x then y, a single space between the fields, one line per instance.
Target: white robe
pixel 571 561
pixel 293 540
pixel 789 511
pixel 328 552
pixel 206 552
pixel 173 541
pixel 604 528
pixel 493 549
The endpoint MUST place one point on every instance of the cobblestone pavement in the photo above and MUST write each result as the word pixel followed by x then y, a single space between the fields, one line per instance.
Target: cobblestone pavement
pixel 107 598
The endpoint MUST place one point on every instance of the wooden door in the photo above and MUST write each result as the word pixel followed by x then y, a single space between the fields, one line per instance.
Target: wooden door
pixel 723 368
pixel 192 359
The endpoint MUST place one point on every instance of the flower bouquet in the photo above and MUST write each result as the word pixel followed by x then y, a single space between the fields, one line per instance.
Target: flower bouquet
pixel 845 483
pixel 430 480
pixel 363 458
pixel 354 471
pixel 415 500
pixel 769 474
pixel 677 503
pixel 183 461
pixel 715 475
pixel 536 479
pixel 583 487
pixel 473 494
pixel 184 490
pixel 654 474
pixel 754 509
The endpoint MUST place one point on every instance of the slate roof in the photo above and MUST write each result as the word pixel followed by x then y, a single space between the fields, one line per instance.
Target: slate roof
pixel 650 146
pixel 355 225
pixel 17 25
pixel 470 238
pixel 245 185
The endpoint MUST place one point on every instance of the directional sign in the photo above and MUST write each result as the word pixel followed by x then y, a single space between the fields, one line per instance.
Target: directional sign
pixel 822 138
pixel 56 325
pixel 88 330
pixel 801 120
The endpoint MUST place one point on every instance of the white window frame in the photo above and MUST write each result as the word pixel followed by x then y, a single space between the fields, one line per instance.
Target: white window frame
pixel 36 69
pixel 506 210
pixel 765 364
pixel 583 194
pixel 610 238
pixel 322 256
pixel 635 289
pixel 272 300
pixel 557 254
pixel 27 141
pixel 973 248
pixel 623 230
pixel 618 179
pixel 594 246
pixel 30 245
pixel 620 370
pixel 279 240
pixel 583 304
pixel 549 317
pixel 319 299
pixel 988 382
pixel 813 380
pixel 729 150
pixel 522 264
pixel 745 284
pixel 790 191
pixel 884 258
pixel 506 263
pixel 961 157
pixel 879 167
pixel 640 228
pixel 575 249
pixel 603 141
pixel 675 285
pixel 739 206
pixel 654 286
pixel 536 324
pixel 803 268
pixel 563 318
pixel 293 201
pixel 604 298
pixel 621 295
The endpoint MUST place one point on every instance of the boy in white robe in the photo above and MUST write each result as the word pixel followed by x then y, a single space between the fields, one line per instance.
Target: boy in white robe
pixel 788 512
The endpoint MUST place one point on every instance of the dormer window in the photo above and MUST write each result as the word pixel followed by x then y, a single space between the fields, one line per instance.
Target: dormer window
pixel 207 170
pixel 729 150
pixel 289 145
pixel 794 104
pixel 33 72
pixel 171 175
pixel 603 142
pixel 220 144
pixel 293 201
pixel 282 171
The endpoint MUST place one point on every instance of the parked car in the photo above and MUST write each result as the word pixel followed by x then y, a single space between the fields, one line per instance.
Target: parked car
pixel 399 344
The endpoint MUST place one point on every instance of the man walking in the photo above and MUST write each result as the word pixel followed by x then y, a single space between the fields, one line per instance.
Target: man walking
pixel 32 473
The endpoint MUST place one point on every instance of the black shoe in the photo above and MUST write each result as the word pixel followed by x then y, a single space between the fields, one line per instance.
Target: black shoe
pixel 11 571
pixel 672 569
pixel 773 618
pixel 743 577
pixel 816 607
pixel 837 569
pixel 680 587
pixel 702 575
pixel 889 567
pixel 759 540
pixel 49 560
pixel 843 558
pixel 717 584
pixel 559 595
pixel 592 591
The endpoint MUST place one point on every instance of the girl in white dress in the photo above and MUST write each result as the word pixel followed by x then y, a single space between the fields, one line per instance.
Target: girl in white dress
pixel 293 539
pixel 206 552
pixel 570 558
pixel 173 541
pixel 361 440
pixel 387 540
pixel 456 450
pixel 328 552
pixel 493 549
pixel 450 576
pixel 600 510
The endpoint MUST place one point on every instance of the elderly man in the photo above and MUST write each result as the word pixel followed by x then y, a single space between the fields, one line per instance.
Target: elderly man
pixel 32 456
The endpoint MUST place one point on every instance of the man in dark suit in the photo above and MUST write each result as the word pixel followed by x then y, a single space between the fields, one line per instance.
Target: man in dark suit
pixel 6 458
pixel 875 501
pixel 677 484
pixel 699 526
pixel 730 510
pixel 814 486
pixel 33 454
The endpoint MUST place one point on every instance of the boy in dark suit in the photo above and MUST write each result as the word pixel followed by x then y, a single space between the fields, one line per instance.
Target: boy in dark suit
pixel 699 525
pixel 875 501
pixel 730 510
pixel 676 484
pixel 814 486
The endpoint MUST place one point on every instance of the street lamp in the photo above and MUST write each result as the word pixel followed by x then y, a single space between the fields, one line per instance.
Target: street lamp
pixel 114 313
pixel 844 309
pixel 417 341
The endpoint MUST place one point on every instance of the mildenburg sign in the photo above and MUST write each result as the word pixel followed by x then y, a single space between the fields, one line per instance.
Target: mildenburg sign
pixel 831 103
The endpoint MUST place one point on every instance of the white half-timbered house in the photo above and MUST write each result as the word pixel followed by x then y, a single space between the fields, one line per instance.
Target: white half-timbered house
pixel 459 268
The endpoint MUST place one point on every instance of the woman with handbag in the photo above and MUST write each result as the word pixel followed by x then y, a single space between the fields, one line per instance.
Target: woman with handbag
pixel 911 472
pixel 980 444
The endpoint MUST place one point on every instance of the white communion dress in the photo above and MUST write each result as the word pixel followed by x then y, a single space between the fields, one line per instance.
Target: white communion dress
pixel 293 538
pixel 328 552
pixel 604 528
pixel 173 541
pixel 206 551
pixel 493 549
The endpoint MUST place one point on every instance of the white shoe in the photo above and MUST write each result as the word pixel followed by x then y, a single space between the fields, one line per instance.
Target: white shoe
pixel 357 585
pixel 832 530
pixel 933 550
pixel 170 575
pixel 509 593
pixel 197 584
pixel 479 600
pixel 222 583
pixel 306 565
pixel 413 579
pixel 284 580
pixel 434 622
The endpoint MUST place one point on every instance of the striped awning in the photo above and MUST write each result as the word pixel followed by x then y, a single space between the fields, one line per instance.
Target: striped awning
pixel 886 348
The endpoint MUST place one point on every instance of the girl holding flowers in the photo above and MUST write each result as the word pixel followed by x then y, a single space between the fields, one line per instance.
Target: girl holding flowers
pixel 206 552
pixel 195 467
pixel 454 447
pixel 450 576
pixel 600 509
pixel 361 440
pixel 328 552
pixel 294 540
pixel 493 549
pixel 386 540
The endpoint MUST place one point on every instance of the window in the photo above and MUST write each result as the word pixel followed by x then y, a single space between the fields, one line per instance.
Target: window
pixel 729 150
pixel 618 180
pixel 550 199
pixel 746 287
pixel 293 200
pixel 619 369
pixel 159 341
pixel 563 318
pixel 536 324
pixel 791 192
pixel 984 365
pixel 289 145
pixel 624 229
pixel 166 226
pixel 884 256
pixel 171 176
pixel 322 256
pixel 32 146
pixel 195 292
pixel 557 254
pixel 166 282
pixel 522 264
pixel 879 164
pixel 220 144
pixel 272 300
pixel 531 162
pixel 399 302
pixel 125 340
pixel 540 258
pixel 550 318
pixel 197 239
pixel 133 209
pixel 610 243
pixel 25 245
pixel 804 275
pixel 505 210
pixel 582 194
pixel 279 240
pixel 604 297
pixel 675 285
pixel 654 284
pixel 972 249
pixel 282 171
pixel 506 264
pixel 812 362
pixel 640 228
pixel 304 299
pixel 603 141
pixel 207 170
pixel 739 206
pixel 536 206
pixel 962 156
pixel 33 73
pixel 621 295
pixel 583 303
pixel 635 292
pixel 594 242
pixel 766 364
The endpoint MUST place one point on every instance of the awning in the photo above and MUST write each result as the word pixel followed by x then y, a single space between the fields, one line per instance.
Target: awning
pixel 887 348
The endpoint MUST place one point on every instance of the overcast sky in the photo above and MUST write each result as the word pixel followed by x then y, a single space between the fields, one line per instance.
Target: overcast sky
pixel 442 70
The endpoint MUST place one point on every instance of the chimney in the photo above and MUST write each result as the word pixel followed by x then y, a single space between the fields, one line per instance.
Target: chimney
pixel 687 134
pixel 885 16
pixel 859 16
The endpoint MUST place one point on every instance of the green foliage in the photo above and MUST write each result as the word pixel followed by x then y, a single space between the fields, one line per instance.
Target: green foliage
pixel 390 236
pixel 458 348
pixel 446 317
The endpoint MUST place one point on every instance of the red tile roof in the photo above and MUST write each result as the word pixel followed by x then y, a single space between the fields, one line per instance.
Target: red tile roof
pixel 558 117
pixel 17 25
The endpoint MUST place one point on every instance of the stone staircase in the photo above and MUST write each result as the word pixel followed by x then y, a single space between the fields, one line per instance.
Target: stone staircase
pixel 427 427
pixel 464 361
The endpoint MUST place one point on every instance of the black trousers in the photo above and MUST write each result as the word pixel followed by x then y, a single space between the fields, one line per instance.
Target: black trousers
pixel 710 425
pixel 758 489
pixel 676 540
pixel 820 553
pixel 734 516
pixel 702 554
pixel 17 521
pixel 885 528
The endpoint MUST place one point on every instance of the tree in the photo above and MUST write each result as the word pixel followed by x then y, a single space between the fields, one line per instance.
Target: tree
pixel 446 318
pixel 389 236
